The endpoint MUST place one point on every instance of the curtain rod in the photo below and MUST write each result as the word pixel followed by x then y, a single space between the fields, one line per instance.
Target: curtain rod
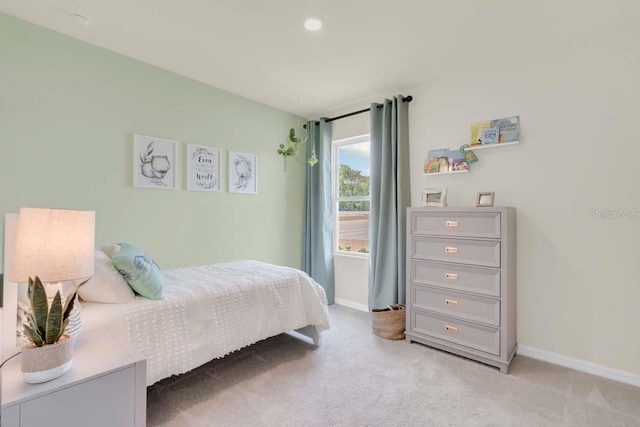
pixel 404 99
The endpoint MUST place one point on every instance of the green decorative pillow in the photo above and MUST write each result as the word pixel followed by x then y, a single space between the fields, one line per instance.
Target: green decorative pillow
pixel 139 270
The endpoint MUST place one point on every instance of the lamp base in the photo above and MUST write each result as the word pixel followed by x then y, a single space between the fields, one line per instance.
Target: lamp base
pixel 74 327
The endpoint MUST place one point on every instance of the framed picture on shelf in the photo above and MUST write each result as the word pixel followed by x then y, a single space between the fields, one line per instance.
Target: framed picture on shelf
pixel 485 199
pixel 154 162
pixel 203 168
pixel 243 173
pixel 434 197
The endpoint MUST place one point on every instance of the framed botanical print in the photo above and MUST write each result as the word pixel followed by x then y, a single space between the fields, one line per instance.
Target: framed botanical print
pixel 154 162
pixel 203 168
pixel 243 173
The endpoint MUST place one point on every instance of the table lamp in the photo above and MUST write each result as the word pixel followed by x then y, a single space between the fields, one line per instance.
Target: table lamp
pixel 56 245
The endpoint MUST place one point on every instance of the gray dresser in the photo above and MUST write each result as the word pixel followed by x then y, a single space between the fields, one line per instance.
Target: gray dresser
pixel 461 281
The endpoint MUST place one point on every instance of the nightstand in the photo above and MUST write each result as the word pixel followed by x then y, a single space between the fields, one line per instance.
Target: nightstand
pixel 106 387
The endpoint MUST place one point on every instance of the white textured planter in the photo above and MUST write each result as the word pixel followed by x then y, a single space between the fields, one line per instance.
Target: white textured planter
pixel 41 364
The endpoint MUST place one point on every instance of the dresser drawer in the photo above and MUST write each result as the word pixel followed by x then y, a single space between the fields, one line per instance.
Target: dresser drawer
pixel 461 224
pixel 462 306
pixel 481 338
pixel 474 252
pixel 457 277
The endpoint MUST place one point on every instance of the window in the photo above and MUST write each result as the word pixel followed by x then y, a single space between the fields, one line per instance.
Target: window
pixel 351 199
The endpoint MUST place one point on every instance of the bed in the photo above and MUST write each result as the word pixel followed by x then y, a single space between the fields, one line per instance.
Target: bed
pixel 210 311
pixel 205 313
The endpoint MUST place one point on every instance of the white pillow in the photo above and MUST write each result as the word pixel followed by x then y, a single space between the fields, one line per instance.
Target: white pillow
pixel 106 285
pixel 110 250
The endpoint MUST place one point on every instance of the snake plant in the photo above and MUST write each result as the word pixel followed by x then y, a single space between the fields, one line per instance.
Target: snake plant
pixel 46 324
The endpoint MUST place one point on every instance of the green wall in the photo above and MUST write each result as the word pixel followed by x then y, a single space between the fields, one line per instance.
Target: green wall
pixel 68 112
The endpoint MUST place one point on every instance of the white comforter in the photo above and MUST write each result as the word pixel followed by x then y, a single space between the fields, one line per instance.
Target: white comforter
pixel 210 311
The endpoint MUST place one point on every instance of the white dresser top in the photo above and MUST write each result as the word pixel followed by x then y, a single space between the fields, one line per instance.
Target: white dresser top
pixel 96 353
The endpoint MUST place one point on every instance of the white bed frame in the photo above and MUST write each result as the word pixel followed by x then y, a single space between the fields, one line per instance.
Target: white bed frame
pixel 10 295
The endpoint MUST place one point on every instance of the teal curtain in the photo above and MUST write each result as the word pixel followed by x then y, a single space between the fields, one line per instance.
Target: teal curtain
pixel 317 245
pixel 390 197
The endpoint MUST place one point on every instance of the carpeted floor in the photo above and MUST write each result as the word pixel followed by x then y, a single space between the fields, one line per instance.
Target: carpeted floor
pixel 357 379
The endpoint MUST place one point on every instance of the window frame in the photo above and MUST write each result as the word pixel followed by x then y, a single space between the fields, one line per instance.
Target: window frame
pixel 335 187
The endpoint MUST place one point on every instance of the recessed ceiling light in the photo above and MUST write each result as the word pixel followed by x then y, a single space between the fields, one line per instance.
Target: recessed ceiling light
pixel 313 24
pixel 80 19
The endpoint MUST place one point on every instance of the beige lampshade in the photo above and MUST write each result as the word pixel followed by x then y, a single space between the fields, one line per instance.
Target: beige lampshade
pixel 54 244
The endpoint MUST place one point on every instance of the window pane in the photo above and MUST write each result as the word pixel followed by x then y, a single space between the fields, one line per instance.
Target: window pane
pixel 353 226
pixel 353 177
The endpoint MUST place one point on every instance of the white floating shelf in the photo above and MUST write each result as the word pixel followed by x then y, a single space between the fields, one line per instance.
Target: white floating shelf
pixel 482 147
pixel 446 173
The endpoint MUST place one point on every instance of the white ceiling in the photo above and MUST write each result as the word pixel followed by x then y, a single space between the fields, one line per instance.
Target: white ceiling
pixel 260 50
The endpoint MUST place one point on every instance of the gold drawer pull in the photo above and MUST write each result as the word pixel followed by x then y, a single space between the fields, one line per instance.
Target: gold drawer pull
pixel 451 276
pixel 451 302
pixel 451 250
pixel 451 223
pixel 451 329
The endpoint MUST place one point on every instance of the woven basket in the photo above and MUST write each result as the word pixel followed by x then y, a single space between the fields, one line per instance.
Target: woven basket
pixel 389 322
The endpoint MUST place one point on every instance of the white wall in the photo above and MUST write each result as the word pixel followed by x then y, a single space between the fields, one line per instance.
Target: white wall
pixel 578 291
pixel 578 288
pixel 352 281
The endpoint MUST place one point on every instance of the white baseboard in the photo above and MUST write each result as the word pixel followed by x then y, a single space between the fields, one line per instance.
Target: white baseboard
pixel 580 365
pixel 351 304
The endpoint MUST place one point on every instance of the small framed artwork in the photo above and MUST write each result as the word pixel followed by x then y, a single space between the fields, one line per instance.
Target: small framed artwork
pixel 154 162
pixel 243 173
pixel 436 197
pixel 203 168
pixel 485 199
